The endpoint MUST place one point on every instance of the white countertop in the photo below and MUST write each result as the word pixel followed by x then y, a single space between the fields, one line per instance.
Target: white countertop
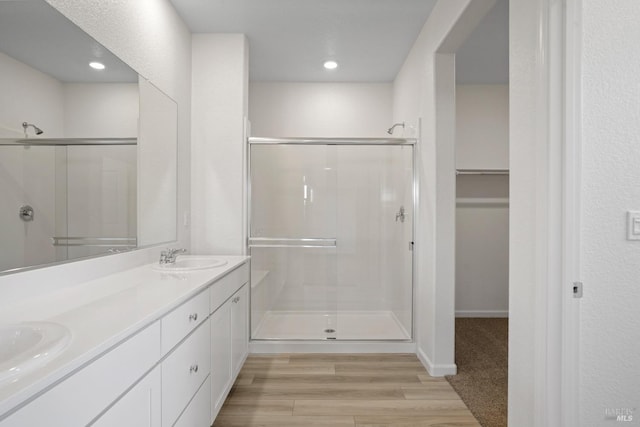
pixel 100 314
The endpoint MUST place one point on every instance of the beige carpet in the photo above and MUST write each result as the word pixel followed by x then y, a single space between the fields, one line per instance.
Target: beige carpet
pixel 481 356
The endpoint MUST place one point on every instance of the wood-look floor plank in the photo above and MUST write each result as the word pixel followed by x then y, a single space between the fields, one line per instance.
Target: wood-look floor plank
pixel 244 380
pixel 403 421
pixel 328 386
pixel 270 370
pixel 313 392
pixel 283 421
pixel 348 357
pixel 375 370
pixel 271 358
pixel 380 407
pixel 273 378
pixel 428 379
pixel 255 407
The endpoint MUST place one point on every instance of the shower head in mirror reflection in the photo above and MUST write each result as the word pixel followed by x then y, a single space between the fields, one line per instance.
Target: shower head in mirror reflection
pixel 26 126
pixel 390 130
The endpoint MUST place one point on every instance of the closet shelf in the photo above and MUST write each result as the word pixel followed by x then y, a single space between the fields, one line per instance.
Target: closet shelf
pixel 482 201
pixel 482 171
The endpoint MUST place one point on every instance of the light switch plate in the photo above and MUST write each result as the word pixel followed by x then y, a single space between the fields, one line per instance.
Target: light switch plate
pixel 633 225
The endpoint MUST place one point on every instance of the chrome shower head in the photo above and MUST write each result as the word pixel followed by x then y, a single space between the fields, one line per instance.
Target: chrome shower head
pixel 390 130
pixel 26 125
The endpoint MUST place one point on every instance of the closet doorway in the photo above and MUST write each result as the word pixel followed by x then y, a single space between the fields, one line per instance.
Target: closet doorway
pixel 482 219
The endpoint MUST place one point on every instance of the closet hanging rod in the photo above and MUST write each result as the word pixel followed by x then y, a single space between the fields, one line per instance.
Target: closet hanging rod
pixel 482 171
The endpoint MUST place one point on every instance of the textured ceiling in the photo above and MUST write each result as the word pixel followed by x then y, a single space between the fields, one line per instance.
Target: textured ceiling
pixel 36 34
pixel 290 39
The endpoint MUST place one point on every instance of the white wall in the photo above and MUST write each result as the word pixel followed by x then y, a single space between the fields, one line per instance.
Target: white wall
pixel 149 36
pixel 482 260
pixel 482 126
pixel 320 109
pixel 98 110
pixel 610 265
pixel 220 91
pixel 482 209
pixel 35 98
pixel 425 89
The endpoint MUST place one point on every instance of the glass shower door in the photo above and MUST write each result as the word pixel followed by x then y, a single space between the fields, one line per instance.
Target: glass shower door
pixel 292 242
pixel 375 232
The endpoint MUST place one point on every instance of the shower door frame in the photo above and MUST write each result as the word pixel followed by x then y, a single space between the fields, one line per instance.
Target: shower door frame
pixel 407 142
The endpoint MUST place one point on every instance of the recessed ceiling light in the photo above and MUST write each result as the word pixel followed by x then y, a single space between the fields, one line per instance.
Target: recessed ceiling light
pixel 330 65
pixel 97 65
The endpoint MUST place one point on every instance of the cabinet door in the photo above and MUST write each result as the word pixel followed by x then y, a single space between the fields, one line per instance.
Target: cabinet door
pixel 140 407
pixel 220 356
pixel 199 410
pixel 239 328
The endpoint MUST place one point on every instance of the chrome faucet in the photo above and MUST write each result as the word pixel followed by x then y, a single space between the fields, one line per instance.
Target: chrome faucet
pixel 169 256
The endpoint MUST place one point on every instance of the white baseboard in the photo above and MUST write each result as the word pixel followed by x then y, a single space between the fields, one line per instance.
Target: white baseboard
pixel 482 313
pixel 436 370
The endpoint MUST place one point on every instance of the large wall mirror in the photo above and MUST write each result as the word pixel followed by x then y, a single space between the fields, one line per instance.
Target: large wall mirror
pixel 87 152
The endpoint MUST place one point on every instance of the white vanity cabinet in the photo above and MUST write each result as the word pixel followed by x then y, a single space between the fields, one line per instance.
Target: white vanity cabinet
pixel 229 333
pixel 139 407
pixel 79 399
pixel 176 371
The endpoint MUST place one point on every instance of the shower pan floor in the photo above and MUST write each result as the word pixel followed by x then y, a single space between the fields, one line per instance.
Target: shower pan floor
pixel 356 325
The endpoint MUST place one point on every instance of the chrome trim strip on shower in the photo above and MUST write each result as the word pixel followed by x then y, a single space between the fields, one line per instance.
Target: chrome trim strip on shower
pixel 333 141
pixel 69 141
pixel 287 242
pixel 120 242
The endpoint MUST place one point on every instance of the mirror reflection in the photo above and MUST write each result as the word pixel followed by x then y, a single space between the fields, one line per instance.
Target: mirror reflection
pixel 74 138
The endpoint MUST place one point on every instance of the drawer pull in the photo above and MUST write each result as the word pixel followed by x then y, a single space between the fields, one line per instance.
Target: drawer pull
pixel 193 317
pixel 193 369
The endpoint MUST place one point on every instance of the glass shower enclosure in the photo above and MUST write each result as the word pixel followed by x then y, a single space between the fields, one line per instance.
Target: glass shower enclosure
pixel 331 239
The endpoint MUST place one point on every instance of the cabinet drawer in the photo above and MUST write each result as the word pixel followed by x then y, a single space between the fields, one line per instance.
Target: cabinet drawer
pixel 82 396
pixel 183 371
pixel 197 413
pixel 181 321
pixel 228 285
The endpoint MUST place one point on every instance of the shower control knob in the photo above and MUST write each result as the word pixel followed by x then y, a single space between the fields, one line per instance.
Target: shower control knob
pixel 26 213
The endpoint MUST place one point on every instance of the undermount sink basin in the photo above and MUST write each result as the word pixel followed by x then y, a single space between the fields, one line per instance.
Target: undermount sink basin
pixel 191 262
pixel 28 345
